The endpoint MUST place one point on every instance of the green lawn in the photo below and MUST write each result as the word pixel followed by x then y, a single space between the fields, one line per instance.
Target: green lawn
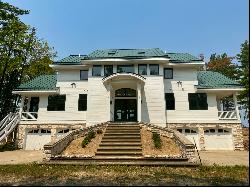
pixel 34 174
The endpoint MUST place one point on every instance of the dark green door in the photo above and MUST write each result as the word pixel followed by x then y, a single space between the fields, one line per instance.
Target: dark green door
pixel 125 110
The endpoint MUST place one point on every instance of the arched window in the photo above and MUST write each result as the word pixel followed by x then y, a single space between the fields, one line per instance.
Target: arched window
pixel 125 92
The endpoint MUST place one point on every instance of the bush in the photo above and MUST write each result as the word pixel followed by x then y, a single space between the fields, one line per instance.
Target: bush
pixel 9 146
pixel 157 140
pixel 87 139
pixel 99 131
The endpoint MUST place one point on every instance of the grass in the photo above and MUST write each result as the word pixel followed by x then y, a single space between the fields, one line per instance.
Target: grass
pixel 34 174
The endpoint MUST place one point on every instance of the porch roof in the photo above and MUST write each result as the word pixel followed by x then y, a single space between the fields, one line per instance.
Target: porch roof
pixel 215 80
pixel 42 82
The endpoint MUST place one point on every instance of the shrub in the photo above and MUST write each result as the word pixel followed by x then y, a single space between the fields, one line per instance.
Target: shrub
pixel 9 146
pixel 88 137
pixel 157 140
pixel 99 131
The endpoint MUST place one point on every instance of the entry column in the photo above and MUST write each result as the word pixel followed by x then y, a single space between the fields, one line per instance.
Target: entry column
pixel 139 102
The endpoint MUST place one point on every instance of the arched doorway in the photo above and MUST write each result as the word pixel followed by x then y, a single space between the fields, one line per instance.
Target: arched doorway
pixel 125 105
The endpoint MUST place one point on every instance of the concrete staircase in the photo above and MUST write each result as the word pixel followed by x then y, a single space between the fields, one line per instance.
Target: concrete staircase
pixel 121 140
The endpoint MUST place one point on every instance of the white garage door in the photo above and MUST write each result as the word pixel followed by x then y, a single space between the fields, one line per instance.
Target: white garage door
pixel 37 138
pixel 218 139
pixel 192 135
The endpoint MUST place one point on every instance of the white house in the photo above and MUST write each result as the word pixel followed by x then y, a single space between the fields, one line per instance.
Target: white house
pixel 140 85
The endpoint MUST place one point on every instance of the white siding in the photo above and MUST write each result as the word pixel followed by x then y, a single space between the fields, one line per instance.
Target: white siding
pixel 188 77
pixel 153 105
pixel 98 101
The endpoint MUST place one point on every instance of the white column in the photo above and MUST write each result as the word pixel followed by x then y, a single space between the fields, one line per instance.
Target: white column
pixel 21 105
pixel 139 102
pixel 236 106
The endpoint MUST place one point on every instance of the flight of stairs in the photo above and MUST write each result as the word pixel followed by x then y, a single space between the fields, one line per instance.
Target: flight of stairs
pixel 121 140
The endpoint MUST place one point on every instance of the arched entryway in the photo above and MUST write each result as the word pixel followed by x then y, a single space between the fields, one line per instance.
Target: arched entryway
pixel 125 108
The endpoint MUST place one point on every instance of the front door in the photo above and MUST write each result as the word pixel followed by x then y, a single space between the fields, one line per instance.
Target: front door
pixel 125 110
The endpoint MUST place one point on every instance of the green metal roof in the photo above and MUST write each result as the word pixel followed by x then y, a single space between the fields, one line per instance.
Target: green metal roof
pixel 210 79
pixel 126 53
pixel 182 58
pixel 72 59
pixel 129 54
pixel 42 82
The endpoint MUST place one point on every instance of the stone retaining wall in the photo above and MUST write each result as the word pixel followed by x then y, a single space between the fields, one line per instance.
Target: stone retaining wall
pixel 53 149
pixel 187 148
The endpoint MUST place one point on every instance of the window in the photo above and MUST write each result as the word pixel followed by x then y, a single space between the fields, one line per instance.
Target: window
pixel 35 131
pixel 170 101
pixel 142 69
pixel 108 70
pixel 45 131
pixel 154 69
pixel 187 130
pixel 223 131
pixel 125 92
pixel 63 131
pixel 179 130
pixel 56 103
pixel 168 73
pixel 96 71
pixel 82 102
pixel 83 74
pixel 209 131
pixel 125 69
pixel 197 101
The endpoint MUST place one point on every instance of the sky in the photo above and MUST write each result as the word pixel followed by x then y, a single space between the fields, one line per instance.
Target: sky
pixel 193 26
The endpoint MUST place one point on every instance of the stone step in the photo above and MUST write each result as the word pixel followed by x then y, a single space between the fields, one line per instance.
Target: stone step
pixel 122 130
pixel 123 137
pixel 123 126
pixel 103 144
pixel 121 134
pixel 118 153
pixel 118 148
pixel 120 140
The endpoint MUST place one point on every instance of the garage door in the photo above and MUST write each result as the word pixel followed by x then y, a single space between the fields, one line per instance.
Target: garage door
pixel 192 135
pixel 37 138
pixel 218 139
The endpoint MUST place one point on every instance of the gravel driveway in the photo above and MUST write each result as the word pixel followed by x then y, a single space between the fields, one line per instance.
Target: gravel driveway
pixel 20 157
pixel 228 158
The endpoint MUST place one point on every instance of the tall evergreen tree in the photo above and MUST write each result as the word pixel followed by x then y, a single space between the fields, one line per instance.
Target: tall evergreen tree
pixel 243 58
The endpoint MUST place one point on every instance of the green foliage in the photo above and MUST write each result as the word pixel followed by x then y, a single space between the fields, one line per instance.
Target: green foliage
pixel 243 58
pixel 9 146
pixel 157 140
pixel 224 65
pixel 90 135
pixel 22 55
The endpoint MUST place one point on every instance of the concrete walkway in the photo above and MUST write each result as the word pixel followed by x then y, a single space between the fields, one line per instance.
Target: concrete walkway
pixel 207 157
pixel 225 158
pixel 20 157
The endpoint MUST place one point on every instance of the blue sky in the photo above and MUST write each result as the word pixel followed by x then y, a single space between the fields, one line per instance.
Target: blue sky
pixel 193 26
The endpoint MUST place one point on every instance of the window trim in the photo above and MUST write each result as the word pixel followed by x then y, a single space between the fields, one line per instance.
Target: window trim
pixel 81 74
pixel 172 75
pixel 85 109
pixel 93 71
pixel 57 96
pixel 169 100
pixel 146 69
pixel 154 65
pixel 108 66
pixel 198 108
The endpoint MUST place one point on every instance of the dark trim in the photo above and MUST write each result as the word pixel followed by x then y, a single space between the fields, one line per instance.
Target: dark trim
pixel 154 65
pixel 172 76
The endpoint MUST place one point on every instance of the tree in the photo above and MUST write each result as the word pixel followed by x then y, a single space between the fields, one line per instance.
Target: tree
pixel 243 58
pixel 21 53
pixel 224 65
